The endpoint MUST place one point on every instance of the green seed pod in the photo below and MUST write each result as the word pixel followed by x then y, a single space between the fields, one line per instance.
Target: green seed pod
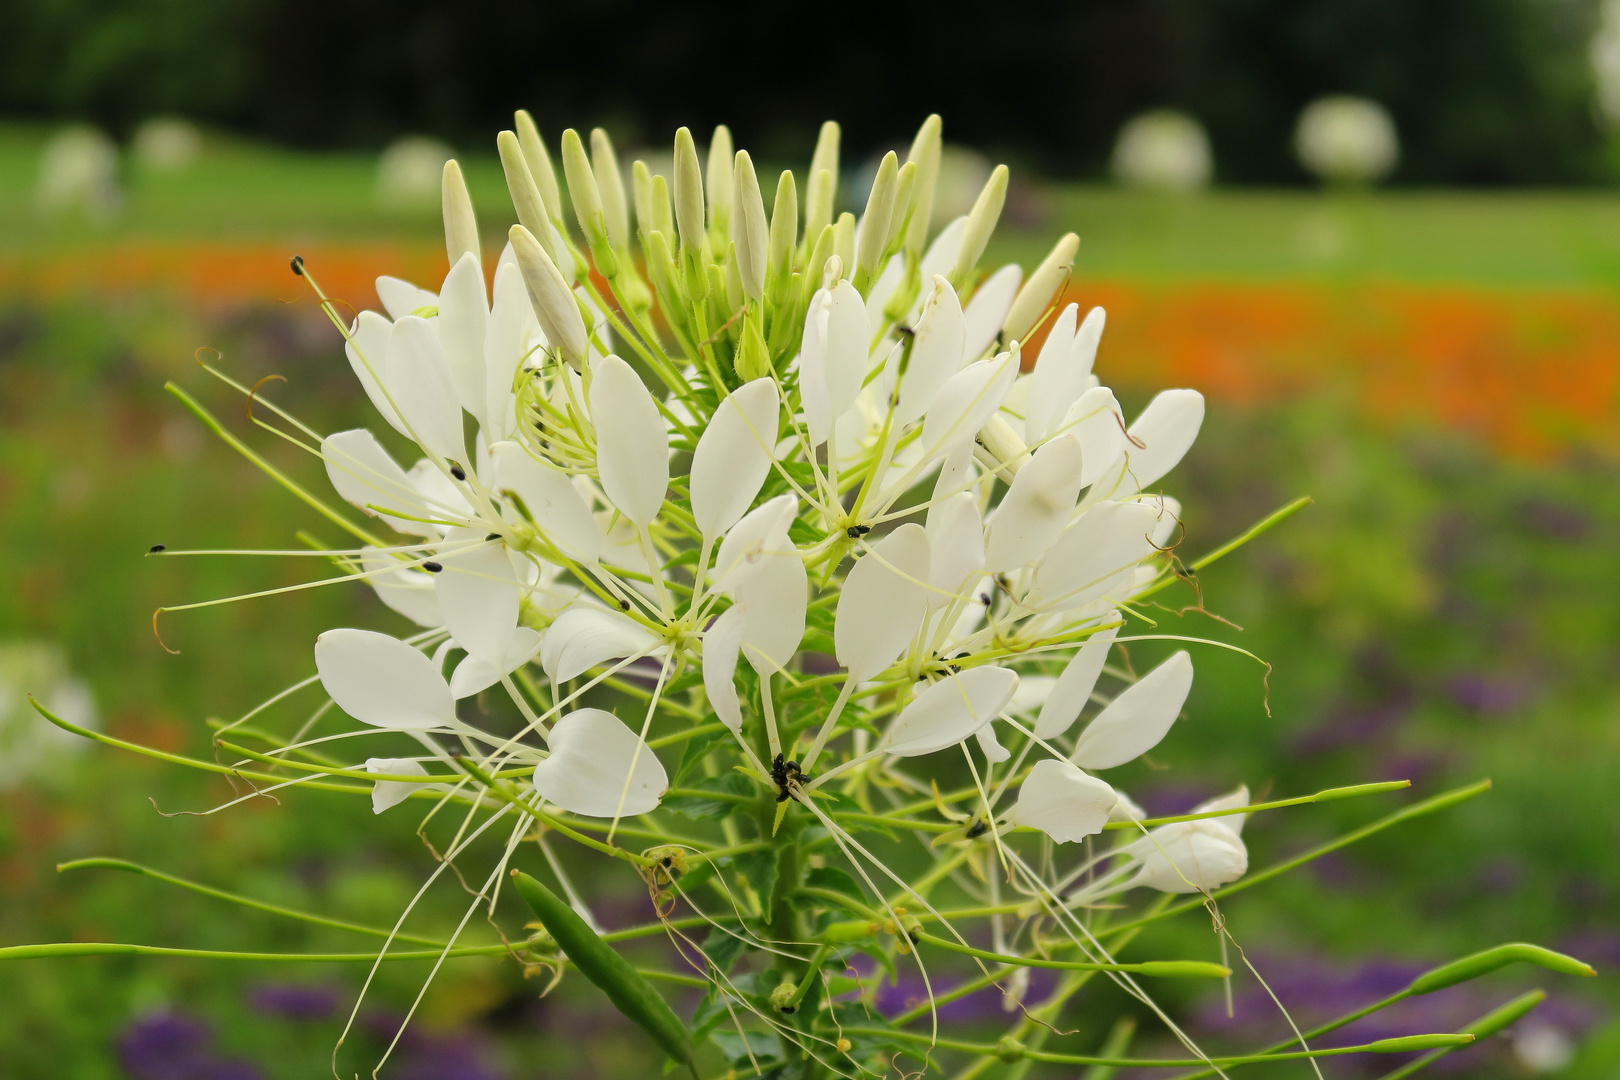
pixel 1181 969
pixel 1483 963
pixel 1408 1043
pixel 1511 1013
pixel 631 994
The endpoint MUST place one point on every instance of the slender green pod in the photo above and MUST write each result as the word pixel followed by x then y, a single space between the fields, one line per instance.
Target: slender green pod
pixel 1483 963
pixel 630 993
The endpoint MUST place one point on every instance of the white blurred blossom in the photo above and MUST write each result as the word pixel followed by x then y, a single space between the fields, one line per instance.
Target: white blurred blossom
pixel 166 144
pixel 1164 150
pixel 29 744
pixel 409 169
pixel 1346 140
pixel 78 173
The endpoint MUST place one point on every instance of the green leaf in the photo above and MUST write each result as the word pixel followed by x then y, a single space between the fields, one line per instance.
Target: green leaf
pixel 696 750
pixel 758 868
pixel 833 880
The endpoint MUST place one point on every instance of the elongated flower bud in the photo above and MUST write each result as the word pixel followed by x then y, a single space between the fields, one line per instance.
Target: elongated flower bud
pixel 825 158
pixel 844 243
pixel 526 200
pixel 554 303
pixel 663 217
pixel 904 190
pixel 605 164
pixel 719 178
pixel 925 154
pixel 1032 300
pixel 460 226
pixel 641 195
pixel 875 222
pixel 818 204
pixel 981 223
pixel 749 228
pixel 784 229
pixel 540 167
pixel 582 188
pixel 820 252
pixel 688 192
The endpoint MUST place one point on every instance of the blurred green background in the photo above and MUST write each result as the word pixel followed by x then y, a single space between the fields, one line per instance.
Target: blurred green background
pixel 1436 363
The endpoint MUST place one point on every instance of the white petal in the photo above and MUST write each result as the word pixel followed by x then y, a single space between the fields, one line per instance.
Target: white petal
pixel 1095 555
pixel 940 257
pixel 463 318
pixel 599 768
pixel 877 297
pixel 1073 688
pixel 1086 340
pixel 1230 801
pixel 419 380
pixel 1190 855
pixel 553 503
pixel 761 531
pixel 884 599
pixel 988 310
pixel 951 710
pixel 368 356
pixel 1126 809
pixel 478 595
pixel 1063 802
pixel 846 349
pixel 966 402
pixel 1033 691
pixel 733 456
pixel 955 548
pixel 386 793
pixel 721 643
pixel 956 474
pixel 1096 421
pixel 475 674
pixel 936 352
pixel 1036 508
pixel 1165 431
pixel 775 597
pixel 409 592
pixel 1135 721
pixel 584 637
pixel 632 446
pixel 381 681
pixel 991 746
pixel 818 415
pixel 512 332
pixel 1052 385
pixel 365 476
pixel 401 298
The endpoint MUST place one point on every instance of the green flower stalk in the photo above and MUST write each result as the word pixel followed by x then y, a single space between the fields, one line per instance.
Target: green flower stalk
pixel 802 579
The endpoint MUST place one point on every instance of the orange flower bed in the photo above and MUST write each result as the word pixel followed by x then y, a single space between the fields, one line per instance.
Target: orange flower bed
pixel 1534 372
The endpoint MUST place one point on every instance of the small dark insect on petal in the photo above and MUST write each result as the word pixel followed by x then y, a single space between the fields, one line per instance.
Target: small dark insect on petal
pixel 155 548
pixel 624 605
pixel 432 567
pixel 457 471
pixel 977 829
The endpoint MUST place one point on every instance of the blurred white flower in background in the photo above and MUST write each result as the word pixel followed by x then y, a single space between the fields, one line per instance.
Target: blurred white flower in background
pixel 1346 140
pixel 79 172
pixel 1542 1048
pixel 166 144
pixel 1604 54
pixel 1163 150
pixel 409 170
pixel 962 175
pixel 29 744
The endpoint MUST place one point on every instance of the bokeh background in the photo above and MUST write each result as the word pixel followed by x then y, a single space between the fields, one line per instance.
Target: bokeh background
pixel 1428 345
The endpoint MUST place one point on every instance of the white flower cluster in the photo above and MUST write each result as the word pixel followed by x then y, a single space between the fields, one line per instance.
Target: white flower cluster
pixel 844 456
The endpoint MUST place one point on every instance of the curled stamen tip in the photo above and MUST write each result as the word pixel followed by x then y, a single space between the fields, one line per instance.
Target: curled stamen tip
pixel 157 634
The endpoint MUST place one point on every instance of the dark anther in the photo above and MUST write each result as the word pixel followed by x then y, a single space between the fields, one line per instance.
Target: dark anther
pixel 855 531
pixel 956 669
pixel 456 471
pixel 666 862
pixel 783 773
pixel 851 532
pixel 624 605
pixel 984 598
pixel 493 536
pixel 790 1009
pixel 156 548
pixel 432 567
pixel 977 829
pixel 298 265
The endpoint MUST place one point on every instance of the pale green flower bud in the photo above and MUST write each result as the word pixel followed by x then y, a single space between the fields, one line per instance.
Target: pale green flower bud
pixel 539 159
pixel 688 192
pixel 526 199
pixel 736 295
pixel 875 222
pixel 904 188
pixel 663 219
pixel 981 223
pixel 752 359
pixel 460 226
pixel 825 158
pixel 719 182
pixel 554 302
pixel 605 164
pixel 641 194
pixel 816 264
pixel 844 242
pixel 818 204
pixel 749 228
pixel 925 153
pixel 784 229
pixel 582 189
pixel 1032 300
pixel 661 269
